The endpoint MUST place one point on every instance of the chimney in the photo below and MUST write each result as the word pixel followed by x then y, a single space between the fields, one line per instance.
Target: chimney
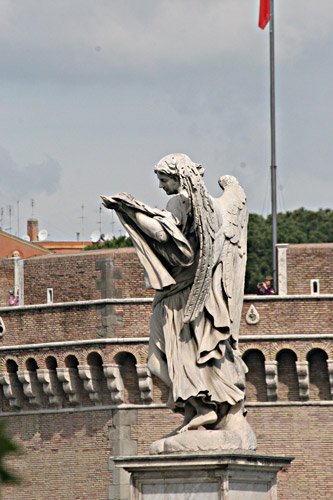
pixel 32 229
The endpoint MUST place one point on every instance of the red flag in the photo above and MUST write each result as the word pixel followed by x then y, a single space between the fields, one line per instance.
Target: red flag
pixel 264 13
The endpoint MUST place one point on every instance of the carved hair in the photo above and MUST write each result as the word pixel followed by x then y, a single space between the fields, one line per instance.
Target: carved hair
pixel 178 165
pixel 205 223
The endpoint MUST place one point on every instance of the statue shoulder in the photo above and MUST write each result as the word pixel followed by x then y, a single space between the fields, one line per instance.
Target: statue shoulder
pixel 179 205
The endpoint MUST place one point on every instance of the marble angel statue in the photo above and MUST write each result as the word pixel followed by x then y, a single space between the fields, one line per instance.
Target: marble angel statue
pixel 194 253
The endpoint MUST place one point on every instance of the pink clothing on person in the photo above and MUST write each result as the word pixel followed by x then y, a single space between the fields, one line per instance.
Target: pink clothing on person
pixel 13 301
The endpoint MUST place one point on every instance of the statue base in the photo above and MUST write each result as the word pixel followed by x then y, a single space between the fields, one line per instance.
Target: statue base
pixel 232 434
pixel 205 476
pixel 199 441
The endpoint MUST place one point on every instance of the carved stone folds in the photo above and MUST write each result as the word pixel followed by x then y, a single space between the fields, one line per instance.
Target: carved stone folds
pixel 31 387
pixel 92 382
pixel 271 370
pixel 330 374
pixel 302 369
pixel 51 386
pixel 12 389
pixel 115 382
pixel 71 384
pixel 145 383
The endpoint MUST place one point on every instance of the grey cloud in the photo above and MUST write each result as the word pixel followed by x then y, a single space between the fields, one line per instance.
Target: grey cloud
pixel 58 39
pixel 23 182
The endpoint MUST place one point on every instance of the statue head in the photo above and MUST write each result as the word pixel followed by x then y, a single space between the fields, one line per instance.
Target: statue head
pixel 179 167
pixel 170 183
pixel 178 172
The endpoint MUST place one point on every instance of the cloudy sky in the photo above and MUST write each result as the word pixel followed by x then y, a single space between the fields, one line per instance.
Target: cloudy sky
pixel 94 92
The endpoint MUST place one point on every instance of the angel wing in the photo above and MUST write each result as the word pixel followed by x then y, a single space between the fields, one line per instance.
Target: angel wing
pixel 230 247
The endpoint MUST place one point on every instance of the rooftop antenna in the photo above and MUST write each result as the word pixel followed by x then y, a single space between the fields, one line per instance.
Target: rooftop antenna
pixel 112 221
pixel 18 217
pixel 32 207
pixel 10 212
pixel 1 217
pixel 100 219
pixel 82 217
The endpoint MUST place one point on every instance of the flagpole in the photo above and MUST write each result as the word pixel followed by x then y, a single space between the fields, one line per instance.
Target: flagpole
pixel 273 145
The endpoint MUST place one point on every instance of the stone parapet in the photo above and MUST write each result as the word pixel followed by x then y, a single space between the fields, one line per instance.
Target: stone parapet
pixel 203 477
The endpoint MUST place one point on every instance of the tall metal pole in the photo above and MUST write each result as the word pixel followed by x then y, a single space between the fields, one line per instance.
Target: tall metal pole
pixel 273 147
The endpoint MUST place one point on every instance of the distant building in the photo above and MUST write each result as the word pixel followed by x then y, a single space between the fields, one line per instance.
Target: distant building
pixel 63 246
pixel 12 246
pixel 30 246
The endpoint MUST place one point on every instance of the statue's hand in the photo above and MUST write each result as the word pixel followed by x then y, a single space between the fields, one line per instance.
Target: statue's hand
pixel 118 201
pixel 108 202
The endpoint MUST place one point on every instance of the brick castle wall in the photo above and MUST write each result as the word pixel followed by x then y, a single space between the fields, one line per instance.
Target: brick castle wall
pixel 68 442
pixel 67 456
pixel 130 320
pixel 6 280
pixel 306 262
pixel 84 276
pixel 68 453
pixel 289 316
pixel 67 449
pixel 80 276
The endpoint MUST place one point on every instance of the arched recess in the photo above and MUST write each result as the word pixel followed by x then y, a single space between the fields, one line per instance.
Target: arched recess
pixel 95 361
pixel 72 383
pixel 11 366
pixel 287 376
pixel 32 387
pixel 51 363
pixel 51 383
pixel 15 397
pixel 319 378
pixel 127 362
pixel 31 365
pixel 256 389
pixel 71 361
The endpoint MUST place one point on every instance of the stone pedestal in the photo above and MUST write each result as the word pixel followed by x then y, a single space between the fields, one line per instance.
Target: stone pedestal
pixel 205 476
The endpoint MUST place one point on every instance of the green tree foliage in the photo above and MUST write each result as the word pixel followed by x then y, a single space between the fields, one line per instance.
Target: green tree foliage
pixel 299 226
pixel 120 242
pixel 6 446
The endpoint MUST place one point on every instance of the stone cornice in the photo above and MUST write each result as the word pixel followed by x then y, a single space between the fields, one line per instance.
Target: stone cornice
pixel 149 300
pixel 20 413
pixel 145 340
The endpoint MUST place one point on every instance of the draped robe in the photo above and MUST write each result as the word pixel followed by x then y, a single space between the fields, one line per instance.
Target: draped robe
pixel 201 362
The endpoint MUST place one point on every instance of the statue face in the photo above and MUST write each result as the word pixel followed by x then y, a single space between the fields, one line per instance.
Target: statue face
pixel 170 184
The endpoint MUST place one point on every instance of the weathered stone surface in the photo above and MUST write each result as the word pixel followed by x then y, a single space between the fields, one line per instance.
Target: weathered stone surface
pixel 194 255
pixel 51 386
pixel 252 316
pixel 206 476
pixel 197 441
pixel 114 382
